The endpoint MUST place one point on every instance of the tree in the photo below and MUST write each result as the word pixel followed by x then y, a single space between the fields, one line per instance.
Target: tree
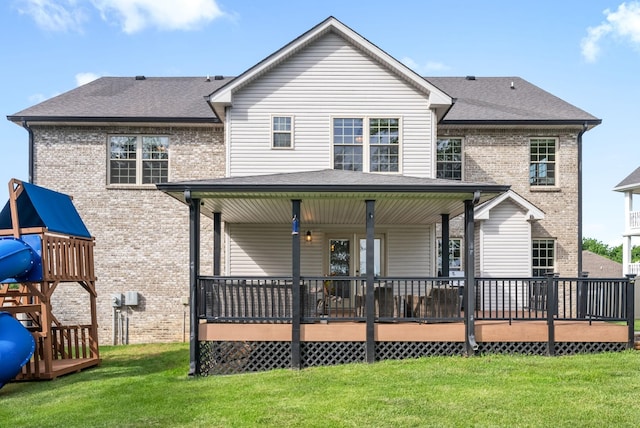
pixel 613 253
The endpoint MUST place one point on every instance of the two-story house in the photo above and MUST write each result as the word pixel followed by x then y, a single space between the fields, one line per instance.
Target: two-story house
pixel 330 120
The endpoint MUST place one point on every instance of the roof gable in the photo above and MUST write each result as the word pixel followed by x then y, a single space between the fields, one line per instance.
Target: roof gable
pixel 532 212
pixel 631 182
pixel 224 96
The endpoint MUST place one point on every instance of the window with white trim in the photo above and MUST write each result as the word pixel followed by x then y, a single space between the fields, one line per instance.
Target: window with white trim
pixel 455 254
pixel 282 132
pixel 375 139
pixel 449 158
pixel 138 159
pixel 543 256
pixel 542 162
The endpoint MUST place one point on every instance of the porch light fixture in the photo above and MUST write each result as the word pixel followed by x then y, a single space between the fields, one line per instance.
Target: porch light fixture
pixel 308 237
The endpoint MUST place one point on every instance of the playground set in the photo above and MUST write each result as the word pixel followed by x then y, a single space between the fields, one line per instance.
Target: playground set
pixel 43 243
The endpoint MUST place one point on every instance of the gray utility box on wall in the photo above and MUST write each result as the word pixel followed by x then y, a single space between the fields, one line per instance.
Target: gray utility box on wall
pixel 131 298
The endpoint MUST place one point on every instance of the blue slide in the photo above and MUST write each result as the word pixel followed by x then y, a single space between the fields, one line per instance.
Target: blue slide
pixel 16 343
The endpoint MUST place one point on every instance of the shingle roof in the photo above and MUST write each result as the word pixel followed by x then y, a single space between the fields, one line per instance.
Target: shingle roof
pixel 333 180
pixel 182 99
pixel 130 98
pixel 493 99
pixel 632 180
pixel 600 267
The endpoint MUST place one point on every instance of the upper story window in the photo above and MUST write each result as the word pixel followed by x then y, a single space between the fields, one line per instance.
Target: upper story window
pixel 542 163
pixel 449 158
pixel 138 159
pixel 543 256
pixel 375 139
pixel 282 132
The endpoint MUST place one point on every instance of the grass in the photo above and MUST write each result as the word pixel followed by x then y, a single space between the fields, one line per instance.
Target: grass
pixel 147 386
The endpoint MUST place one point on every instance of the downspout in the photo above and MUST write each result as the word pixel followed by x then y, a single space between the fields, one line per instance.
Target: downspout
pixel 31 148
pixel 582 131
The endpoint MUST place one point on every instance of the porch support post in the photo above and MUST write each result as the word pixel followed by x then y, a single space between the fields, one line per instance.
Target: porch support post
pixel 370 274
pixel 469 277
pixel 217 243
pixel 295 292
pixel 552 309
pixel 630 291
pixel 445 245
pixel 194 272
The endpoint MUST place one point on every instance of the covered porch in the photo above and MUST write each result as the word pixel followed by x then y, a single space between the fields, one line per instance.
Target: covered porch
pixel 378 309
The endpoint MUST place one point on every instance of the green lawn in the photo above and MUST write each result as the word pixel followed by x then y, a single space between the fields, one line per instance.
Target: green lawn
pixel 146 385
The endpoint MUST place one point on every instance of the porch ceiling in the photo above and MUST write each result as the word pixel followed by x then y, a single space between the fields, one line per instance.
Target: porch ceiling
pixel 331 197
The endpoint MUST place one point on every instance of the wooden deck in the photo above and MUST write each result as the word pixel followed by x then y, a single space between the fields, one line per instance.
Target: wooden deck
pixel 486 331
pixel 58 368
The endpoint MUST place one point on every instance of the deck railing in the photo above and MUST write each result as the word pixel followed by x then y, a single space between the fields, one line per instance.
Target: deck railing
pixel 270 299
pixel 73 341
pixel 566 298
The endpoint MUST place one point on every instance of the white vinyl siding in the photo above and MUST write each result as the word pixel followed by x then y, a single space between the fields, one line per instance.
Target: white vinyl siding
pixel 506 242
pixel 266 250
pixel 409 252
pixel 330 78
pixel 505 249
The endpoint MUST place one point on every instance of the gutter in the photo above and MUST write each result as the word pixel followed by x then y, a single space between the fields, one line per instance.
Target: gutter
pixel 31 149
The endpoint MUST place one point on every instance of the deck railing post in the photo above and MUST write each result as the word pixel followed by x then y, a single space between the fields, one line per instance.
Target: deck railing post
pixel 296 354
pixel 582 294
pixel 552 305
pixel 631 280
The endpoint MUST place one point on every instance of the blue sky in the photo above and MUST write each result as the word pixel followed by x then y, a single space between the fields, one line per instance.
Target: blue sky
pixel 586 52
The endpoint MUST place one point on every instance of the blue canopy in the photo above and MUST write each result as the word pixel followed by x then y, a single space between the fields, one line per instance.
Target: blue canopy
pixel 40 207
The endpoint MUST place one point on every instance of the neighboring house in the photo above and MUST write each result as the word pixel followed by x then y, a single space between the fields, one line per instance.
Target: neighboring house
pixel 630 186
pixel 597 266
pixel 328 101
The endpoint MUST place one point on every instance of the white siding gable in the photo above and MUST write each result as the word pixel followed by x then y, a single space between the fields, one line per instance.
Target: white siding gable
pixel 329 78
pixel 505 240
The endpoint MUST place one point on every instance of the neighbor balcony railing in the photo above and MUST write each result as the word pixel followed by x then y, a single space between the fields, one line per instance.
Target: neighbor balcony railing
pixel 270 299
pixel 634 220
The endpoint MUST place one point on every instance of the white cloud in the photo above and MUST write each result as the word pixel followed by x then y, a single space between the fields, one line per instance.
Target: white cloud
pixel 84 78
pixel 131 15
pixel 136 15
pixel 428 67
pixel 52 15
pixel 623 24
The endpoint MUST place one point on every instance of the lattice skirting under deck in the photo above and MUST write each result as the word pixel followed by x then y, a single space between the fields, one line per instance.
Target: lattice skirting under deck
pixel 221 358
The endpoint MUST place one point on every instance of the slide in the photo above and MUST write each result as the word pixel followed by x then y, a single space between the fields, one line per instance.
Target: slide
pixel 16 343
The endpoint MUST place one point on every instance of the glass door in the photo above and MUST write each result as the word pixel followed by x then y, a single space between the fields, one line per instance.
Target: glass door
pixel 340 265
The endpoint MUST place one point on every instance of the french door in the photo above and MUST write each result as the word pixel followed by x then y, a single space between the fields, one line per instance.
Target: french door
pixel 347 257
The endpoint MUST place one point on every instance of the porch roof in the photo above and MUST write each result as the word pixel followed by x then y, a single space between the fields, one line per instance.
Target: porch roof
pixel 331 197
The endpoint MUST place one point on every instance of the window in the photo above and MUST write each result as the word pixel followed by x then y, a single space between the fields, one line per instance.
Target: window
pixel 282 136
pixel 379 143
pixel 542 164
pixel 543 256
pixel 383 145
pixel 449 158
pixel 455 254
pixel 137 159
